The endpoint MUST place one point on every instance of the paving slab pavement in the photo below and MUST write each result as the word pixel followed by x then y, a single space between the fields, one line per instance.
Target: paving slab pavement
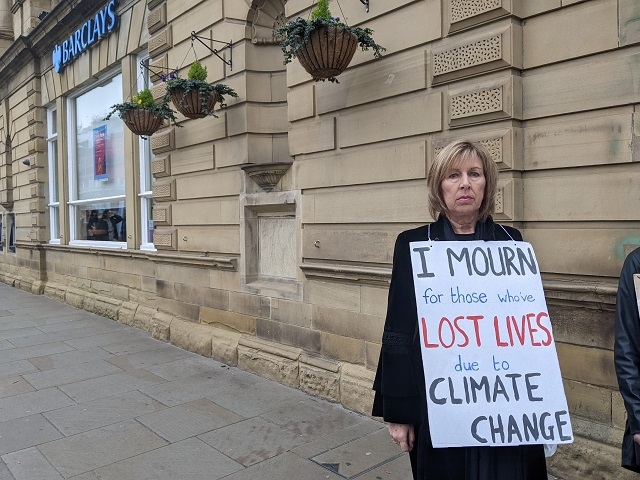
pixel 83 397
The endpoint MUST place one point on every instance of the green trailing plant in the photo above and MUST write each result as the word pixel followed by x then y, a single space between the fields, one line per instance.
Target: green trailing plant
pixel 144 100
pixel 180 88
pixel 296 33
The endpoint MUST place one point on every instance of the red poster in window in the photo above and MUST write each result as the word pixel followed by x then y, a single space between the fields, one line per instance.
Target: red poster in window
pixel 100 153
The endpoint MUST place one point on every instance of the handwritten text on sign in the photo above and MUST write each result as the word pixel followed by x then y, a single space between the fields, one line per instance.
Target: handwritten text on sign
pixel 490 364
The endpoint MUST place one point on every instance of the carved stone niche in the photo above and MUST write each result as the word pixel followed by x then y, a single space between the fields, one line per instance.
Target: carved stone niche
pixel 267 175
pixel 264 17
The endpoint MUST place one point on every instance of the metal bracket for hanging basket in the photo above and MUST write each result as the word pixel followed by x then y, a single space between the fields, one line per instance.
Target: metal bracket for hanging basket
pixel 215 52
pixel 366 4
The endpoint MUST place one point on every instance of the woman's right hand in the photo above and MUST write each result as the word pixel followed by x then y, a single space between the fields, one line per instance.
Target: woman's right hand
pixel 403 435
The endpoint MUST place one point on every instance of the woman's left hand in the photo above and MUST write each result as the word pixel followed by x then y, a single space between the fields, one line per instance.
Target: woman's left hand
pixel 403 435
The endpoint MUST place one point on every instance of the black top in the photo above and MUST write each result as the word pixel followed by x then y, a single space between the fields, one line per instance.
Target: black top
pixel 627 355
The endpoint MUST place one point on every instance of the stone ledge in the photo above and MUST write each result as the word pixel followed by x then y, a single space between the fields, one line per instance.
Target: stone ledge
pixel 221 263
pixel 350 273
pixel 581 292
pixel 217 262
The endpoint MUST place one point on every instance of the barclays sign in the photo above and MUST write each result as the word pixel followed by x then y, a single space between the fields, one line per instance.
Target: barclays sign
pixel 94 29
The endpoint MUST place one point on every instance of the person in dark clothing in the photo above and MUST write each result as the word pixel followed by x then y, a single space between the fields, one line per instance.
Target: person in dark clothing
pixel 462 184
pixel 112 220
pixel 627 358
pixel 97 228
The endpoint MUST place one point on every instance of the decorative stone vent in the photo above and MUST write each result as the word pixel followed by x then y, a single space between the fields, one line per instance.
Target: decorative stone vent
pixel 157 18
pixel 467 14
pixel 267 175
pixel 476 103
pixel 469 55
pixel 464 9
pixel 161 41
pixel 493 146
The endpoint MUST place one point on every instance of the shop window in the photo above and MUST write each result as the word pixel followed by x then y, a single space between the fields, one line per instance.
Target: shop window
pixel 11 233
pixel 54 201
pixel 97 167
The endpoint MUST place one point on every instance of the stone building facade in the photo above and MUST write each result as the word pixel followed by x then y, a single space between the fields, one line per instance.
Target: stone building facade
pixel 263 237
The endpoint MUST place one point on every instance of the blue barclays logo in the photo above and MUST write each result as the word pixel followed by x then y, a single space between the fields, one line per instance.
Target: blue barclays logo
pixel 93 30
pixel 57 58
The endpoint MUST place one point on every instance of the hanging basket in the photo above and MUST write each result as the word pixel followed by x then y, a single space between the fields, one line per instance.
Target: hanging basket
pixel 191 104
pixel 328 52
pixel 141 122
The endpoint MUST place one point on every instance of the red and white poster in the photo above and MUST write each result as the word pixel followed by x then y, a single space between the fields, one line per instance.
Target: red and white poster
pixel 100 153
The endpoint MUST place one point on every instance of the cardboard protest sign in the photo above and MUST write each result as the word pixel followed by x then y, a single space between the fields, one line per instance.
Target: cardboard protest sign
pixel 490 363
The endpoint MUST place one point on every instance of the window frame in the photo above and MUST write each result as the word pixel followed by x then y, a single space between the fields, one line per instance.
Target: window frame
pixel 11 233
pixel 54 198
pixel 145 194
pixel 72 141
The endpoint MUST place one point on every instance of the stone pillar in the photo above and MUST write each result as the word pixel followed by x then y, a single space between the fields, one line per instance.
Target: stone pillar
pixel 6 177
pixel 6 25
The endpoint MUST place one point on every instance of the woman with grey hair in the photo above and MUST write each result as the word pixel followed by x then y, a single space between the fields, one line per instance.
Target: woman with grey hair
pixel 462 185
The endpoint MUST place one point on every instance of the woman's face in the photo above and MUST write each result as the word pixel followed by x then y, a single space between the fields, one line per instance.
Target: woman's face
pixel 463 187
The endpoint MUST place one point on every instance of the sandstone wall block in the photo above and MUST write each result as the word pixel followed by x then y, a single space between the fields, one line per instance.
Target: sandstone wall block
pixel 74 297
pixel 355 388
pixel 143 318
pixel 320 377
pixel 190 336
pixel 127 312
pixel 270 360
pixel 160 326
pixel 224 345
